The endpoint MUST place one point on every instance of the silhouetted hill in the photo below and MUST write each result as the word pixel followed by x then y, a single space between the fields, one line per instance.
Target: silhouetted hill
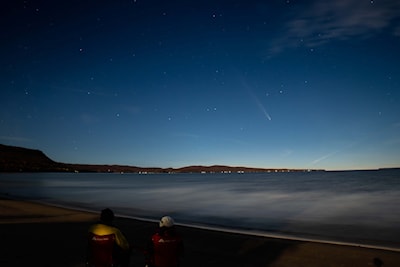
pixel 18 159
pixel 15 159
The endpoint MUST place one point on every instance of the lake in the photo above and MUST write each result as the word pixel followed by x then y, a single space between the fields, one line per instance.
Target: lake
pixel 358 207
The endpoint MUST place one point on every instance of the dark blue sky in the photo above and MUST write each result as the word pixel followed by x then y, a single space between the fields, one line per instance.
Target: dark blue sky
pixel 295 84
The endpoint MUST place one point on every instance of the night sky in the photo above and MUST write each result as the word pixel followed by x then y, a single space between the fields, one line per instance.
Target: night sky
pixel 270 84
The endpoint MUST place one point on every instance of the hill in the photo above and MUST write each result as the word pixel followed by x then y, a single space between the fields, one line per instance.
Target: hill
pixel 18 159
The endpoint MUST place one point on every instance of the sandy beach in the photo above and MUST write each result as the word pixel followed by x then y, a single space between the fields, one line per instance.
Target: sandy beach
pixel 35 234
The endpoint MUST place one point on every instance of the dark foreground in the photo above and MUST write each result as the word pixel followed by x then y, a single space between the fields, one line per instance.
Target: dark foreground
pixel 33 234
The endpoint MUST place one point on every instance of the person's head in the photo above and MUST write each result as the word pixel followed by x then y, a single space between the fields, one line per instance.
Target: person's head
pixel 166 222
pixel 107 216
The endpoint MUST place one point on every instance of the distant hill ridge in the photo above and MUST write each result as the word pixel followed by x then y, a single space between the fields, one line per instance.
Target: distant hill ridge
pixel 19 159
pixel 22 159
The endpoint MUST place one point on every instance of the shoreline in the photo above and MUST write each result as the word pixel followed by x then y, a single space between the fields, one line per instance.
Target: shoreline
pixel 45 224
pixel 252 232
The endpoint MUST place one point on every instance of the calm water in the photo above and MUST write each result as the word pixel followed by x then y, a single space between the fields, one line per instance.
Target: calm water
pixel 358 206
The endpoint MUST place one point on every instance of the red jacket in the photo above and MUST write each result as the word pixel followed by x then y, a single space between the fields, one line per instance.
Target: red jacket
pixel 107 246
pixel 165 249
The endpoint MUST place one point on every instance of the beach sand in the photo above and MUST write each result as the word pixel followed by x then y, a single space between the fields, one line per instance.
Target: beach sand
pixel 33 234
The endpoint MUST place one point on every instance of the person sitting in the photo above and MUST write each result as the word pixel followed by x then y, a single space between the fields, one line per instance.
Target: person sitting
pixel 166 246
pixel 107 246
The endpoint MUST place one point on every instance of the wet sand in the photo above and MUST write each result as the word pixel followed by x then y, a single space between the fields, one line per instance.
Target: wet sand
pixel 33 234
